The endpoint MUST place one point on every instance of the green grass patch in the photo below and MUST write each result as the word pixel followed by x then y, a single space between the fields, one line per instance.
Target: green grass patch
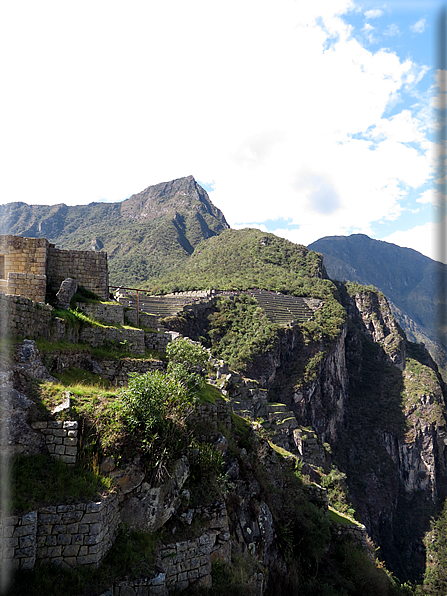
pixel 39 480
pixel 209 394
pixel 80 376
pixel 341 518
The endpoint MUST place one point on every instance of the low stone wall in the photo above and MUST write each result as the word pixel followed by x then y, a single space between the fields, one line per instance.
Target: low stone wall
pixel 353 532
pixel 31 285
pixel 144 319
pixel 87 267
pixel 70 535
pixel 189 563
pixel 61 438
pixel 155 586
pixel 25 317
pixel 131 340
pixel 111 314
pixel 211 414
pixel 157 341
pixel 117 371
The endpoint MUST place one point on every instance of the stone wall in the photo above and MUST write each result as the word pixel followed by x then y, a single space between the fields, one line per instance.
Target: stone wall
pixel 87 267
pixel 25 317
pixel 144 319
pixel 111 314
pixel 61 438
pixel 354 532
pixel 72 535
pixel 23 266
pixel 211 414
pixel 33 319
pixel 131 340
pixel 157 341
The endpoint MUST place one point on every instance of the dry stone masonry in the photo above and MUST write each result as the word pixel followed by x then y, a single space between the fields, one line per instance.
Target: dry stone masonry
pixel 61 438
pixel 70 535
pixel 27 264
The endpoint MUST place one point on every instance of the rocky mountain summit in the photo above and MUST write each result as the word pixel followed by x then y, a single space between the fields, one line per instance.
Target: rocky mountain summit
pixel 144 235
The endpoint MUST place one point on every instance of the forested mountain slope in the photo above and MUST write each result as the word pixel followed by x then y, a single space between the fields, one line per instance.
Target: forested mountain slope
pixel 144 235
pixel 410 280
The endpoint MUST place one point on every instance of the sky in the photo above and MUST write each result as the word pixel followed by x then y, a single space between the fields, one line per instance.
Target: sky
pixel 305 119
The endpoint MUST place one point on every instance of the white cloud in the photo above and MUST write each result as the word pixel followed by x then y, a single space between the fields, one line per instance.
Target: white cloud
pixel 431 196
pixel 419 26
pixel 391 30
pixel 424 239
pixel 105 100
pixel 374 13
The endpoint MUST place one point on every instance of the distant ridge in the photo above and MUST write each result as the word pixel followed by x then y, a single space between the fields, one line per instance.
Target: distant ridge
pixel 408 279
pixel 144 235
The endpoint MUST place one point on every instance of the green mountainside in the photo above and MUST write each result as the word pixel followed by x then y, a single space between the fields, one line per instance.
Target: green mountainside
pixel 245 259
pixel 410 280
pixel 144 235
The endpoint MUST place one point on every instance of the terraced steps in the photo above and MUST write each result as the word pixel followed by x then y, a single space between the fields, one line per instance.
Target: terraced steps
pixel 279 308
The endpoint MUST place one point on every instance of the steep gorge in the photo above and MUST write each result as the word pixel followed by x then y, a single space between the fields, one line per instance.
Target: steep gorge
pixel 379 402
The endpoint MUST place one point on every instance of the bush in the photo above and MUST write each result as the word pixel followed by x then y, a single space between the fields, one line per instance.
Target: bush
pixel 157 406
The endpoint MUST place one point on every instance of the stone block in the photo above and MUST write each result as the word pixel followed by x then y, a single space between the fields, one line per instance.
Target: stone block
pixel 72 516
pixel 38 425
pixel 59 450
pixel 24 531
pixel 94 507
pixel 55 440
pixel 95 529
pixel 64 539
pixel 71 550
pixel 89 540
pixel 26 541
pixel 51 541
pixel 66 508
pixel 51 448
pixel 72 433
pixel 77 539
pixel 70 441
pixel 68 459
pixel 71 561
pixel 72 528
pixel 29 551
pixel 70 425
pixel 27 563
pixel 84 528
pixel 88 559
pixel 91 518
pixel 71 450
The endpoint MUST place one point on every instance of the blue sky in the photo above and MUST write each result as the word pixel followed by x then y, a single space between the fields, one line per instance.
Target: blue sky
pixel 304 119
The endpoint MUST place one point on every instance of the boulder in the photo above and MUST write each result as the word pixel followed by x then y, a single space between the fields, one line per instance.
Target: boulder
pixel 66 292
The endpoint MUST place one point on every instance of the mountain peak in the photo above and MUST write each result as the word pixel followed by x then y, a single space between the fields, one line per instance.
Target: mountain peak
pixel 182 195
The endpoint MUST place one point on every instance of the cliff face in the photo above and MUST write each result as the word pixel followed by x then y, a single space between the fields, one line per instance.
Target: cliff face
pixel 392 444
pixel 378 400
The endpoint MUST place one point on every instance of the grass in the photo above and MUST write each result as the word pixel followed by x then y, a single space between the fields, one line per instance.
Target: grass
pixel 100 409
pixel 38 480
pixel 341 518
pixel 80 376
pixel 210 395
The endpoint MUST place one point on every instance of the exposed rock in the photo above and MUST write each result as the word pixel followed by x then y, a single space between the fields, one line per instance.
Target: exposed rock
pixel 18 437
pixel 66 292
pixel 148 510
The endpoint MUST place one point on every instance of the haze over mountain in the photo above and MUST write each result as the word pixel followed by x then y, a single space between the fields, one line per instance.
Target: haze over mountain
pixel 144 235
pixel 410 280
